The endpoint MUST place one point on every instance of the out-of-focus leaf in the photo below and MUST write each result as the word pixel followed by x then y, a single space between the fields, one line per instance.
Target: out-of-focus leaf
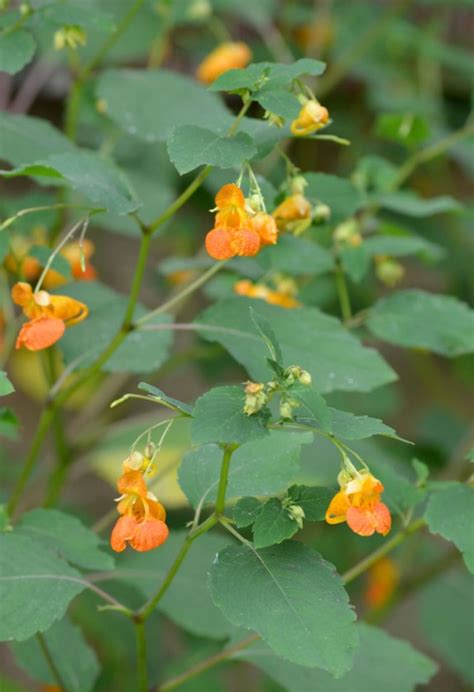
pixel 408 129
pixel 338 193
pixel 16 50
pixel 6 386
pixel 450 512
pixel 416 319
pixel 409 204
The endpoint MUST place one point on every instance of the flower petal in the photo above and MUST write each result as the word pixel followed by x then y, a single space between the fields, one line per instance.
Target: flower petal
pixel 122 532
pixel 218 244
pixel 40 333
pixel 245 242
pixel 336 512
pixel 265 225
pixel 361 521
pixel 132 482
pixel 383 519
pixel 149 534
pixel 230 195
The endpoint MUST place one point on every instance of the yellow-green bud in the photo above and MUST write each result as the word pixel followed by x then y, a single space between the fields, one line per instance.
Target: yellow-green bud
pixel 321 212
pixel 134 461
pixel 298 185
pixel 389 271
pixel 255 398
pixel 348 233
pixel 25 9
pixel 295 373
pixel 150 450
pixel 286 408
pixel 199 9
pixel 296 513
pixel 70 36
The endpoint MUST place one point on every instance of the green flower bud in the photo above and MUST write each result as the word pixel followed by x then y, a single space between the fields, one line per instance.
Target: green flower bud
pixel 321 213
pixel 296 513
pixel 389 271
pixel 255 398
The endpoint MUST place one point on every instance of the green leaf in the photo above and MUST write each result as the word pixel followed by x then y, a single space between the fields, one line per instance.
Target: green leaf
pixel 83 13
pixel 66 535
pixel 267 335
pixel 8 423
pixel 338 193
pixel 409 204
pixel 266 76
pixel 351 427
pixel 218 417
pixel 6 386
pixel 408 129
pixel 280 102
pixel 416 319
pixel 402 245
pixel 37 586
pixel 445 610
pixel 339 361
pixel 171 100
pixel 190 146
pixel 450 513
pixel 355 261
pixel 286 256
pixel 314 500
pixel 157 393
pixel 273 524
pixel 263 467
pixel 246 511
pixel 97 178
pixel 26 139
pixel 312 410
pixel 76 661
pixel 292 598
pixel 16 50
pixel 187 602
pixel 142 351
pixel 381 662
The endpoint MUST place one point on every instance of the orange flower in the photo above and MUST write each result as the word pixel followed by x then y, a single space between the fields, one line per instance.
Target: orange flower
pixel 283 298
pixel 358 503
pixel 265 225
pixel 233 234
pixel 227 56
pixel 382 580
pixel 312 117
pixel 142 521
pixel 294 208
pixel 49 316
pixel 230 202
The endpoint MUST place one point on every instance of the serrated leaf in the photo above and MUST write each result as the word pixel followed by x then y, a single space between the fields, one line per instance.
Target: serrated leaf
pixel 6 386
pixel 16 50
pixel 157 393
pixel 416 319
pixel 76 661
pixel 268 336
pixel 26 139
pixel 171 100
pixel 381 662
pixel 190 146
pixel 312 409
pixel 273 524
pixel 279 101
pixel 218 417
pixel 266 75
pixel 66 535
pixel 246 510
pixel 292 598
pixel 286 256
pixel 314 500
pixel 187 602
pixel 339 361
pixel 351 427
pixel 37 587
pixel 338 193
pixel 450 513
pixel 263 467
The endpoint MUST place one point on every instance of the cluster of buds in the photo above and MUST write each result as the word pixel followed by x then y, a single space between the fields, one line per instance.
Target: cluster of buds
pixel 258 394
pixel 227 56
pixel 136 461
pixel 282 295
pixel 239 229
pixel 295 512
pixel 348 234
pixel 70 36
pixel 295 213
pixel 388 270
pixel 311 118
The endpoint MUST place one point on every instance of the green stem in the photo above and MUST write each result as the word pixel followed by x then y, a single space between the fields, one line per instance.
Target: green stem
pixel 50 661
pixel 142 668
pixel 149 607
pixel 342 292
pixel 44 423
pixel 384 549
pixel 223 480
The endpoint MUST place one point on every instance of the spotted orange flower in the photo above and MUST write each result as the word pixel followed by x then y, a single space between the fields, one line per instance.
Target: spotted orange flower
pixel 230 203
pixel 382 580
pixel 142 518
pixel 312 117
pixel 358 503
pixel 227 56
pixel 48 316
pixel 293 210
pixel 265 225
pixel 232 235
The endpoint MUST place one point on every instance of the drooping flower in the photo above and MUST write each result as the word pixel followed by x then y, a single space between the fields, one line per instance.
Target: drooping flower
pixel 294 213
pixel 48 315
pixel 312 117
pixel 227 56
pixel 265 225
pixel 359 504
pixel 232 235
pixel 142 517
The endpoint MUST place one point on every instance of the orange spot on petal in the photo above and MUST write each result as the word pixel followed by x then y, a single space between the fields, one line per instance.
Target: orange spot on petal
pixel 383 519
pixel 245 242
pixel 40 333
pixel 218 244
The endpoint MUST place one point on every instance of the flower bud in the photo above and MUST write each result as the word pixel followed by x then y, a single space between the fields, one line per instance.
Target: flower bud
pixel 70 36
pixel 298 185
pixel 389 271
pixel 296 513
pixel 199 9
pixel 150 450
pixel 255 398
pixel 274 119
pixel 295 373
pixel 321 213
pixel 133 462
pixel 348 233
